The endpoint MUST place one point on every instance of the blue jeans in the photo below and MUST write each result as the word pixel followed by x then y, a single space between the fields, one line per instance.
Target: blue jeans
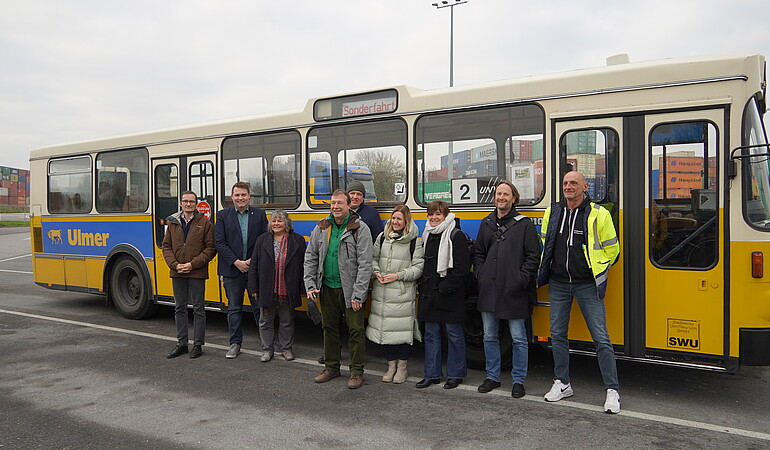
pixel 492 347
pixel 455 364
pixel 592 307
pixel 235 288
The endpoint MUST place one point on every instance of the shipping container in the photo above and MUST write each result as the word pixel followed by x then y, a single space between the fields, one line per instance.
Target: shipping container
pixel 537 150
pixel 459 158
pixel 484 153
pixel 436 175
pixel 681 181
pixel 435 190
pixel 483 168
pixel 581 142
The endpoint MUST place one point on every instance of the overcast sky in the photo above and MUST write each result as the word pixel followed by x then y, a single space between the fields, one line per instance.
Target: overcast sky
pixel 79 69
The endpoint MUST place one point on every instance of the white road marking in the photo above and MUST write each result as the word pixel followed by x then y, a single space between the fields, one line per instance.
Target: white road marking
pixel 16 257
pixel 564 403
pixel 16 271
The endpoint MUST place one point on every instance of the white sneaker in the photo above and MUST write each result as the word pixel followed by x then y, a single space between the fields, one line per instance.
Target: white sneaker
pixel 558 391
pixel 233 352
pixel 612 404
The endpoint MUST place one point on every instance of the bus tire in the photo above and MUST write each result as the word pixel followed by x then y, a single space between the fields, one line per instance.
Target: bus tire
pixel 130 291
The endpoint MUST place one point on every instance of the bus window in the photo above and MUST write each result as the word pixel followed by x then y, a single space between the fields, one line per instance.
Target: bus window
pixel 69 185
pixel 166 197
pixel 461 155
pixel 683 195
pixel 202 180
pixel 122 178
pixel 756 192
pixel 269 163
pixel 592 153
pixel 373 153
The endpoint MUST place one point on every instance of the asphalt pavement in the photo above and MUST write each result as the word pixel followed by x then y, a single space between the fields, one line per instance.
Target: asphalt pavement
pixel 75 374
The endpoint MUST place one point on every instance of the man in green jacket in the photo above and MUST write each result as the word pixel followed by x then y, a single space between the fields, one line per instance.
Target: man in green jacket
pixel 338 266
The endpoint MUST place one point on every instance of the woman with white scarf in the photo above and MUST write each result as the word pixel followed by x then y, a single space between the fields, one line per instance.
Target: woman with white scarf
pixel 442 295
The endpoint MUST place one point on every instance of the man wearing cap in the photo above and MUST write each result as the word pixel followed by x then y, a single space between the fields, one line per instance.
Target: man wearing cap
pixel 369 215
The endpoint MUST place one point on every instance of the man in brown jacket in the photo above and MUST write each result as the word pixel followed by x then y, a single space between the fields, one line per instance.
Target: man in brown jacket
pixel 188 246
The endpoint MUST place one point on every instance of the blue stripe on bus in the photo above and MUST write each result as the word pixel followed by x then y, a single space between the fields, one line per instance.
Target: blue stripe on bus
pixel 96 238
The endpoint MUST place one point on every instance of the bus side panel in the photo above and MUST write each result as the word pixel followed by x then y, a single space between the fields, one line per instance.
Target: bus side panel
pixel 75 248
pixel 749 296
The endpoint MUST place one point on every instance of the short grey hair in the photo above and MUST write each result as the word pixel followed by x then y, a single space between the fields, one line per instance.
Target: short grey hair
pixel 281 214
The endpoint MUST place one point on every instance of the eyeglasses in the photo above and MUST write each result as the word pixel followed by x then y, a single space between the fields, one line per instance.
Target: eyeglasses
pixel 189 201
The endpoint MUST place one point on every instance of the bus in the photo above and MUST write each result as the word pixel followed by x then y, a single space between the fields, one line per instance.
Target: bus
pixel 675 149
pixel 321 186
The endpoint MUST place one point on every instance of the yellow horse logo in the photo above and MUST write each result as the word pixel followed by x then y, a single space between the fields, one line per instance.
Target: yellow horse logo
pixel 54 236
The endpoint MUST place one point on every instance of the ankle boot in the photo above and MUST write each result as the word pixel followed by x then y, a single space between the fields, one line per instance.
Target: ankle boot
pixel 388 377
pixel 401 373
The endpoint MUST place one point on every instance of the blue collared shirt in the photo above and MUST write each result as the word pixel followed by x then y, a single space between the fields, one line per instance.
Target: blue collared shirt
pixel 243 220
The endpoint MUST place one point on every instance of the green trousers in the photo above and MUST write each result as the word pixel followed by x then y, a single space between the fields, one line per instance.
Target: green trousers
pixel 333 309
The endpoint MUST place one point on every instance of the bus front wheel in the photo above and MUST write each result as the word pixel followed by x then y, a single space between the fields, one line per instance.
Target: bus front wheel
pixel 129 291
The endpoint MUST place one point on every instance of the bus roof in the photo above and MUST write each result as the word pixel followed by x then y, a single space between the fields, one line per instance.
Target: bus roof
pixel 540 87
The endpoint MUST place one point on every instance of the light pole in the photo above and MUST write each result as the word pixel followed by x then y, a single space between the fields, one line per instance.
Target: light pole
pixel 451 5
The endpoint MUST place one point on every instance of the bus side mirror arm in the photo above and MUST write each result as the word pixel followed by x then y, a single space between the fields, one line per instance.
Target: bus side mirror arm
pixel 732 167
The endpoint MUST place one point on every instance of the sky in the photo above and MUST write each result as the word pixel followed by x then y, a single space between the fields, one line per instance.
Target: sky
pixel 81 69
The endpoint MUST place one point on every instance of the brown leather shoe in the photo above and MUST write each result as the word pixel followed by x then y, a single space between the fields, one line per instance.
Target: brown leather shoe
pixel 326 375
pixel 355 381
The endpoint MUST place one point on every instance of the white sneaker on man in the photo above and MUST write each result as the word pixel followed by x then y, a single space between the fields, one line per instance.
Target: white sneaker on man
pixel 233 352
pixel 612 404
pixel 558 391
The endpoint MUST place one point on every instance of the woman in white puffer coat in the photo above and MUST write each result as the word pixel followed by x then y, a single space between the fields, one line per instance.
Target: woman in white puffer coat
pixel 397 266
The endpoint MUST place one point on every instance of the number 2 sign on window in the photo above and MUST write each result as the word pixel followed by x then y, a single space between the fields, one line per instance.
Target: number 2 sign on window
pixel 465 191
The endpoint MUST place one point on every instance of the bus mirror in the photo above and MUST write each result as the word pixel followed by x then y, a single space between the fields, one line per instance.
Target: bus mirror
pixel 732 168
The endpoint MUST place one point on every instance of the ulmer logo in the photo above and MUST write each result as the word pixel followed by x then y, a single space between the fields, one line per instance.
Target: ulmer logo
pixel 77 237
pixel 54 236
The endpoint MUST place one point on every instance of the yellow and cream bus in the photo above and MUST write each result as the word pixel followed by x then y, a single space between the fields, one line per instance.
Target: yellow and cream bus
pixel 675 149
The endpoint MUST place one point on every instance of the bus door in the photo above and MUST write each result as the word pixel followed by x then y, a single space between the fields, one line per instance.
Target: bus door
pixel 172 176
pixel 592 148
pixel 680 242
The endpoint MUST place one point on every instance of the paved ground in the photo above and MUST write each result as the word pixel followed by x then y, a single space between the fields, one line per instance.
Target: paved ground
pixel 74 374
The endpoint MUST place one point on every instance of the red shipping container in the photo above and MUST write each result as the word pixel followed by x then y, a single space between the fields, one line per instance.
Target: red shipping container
pixel 3 200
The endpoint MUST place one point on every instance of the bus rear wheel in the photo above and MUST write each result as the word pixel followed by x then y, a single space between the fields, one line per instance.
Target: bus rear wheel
pixel 129 291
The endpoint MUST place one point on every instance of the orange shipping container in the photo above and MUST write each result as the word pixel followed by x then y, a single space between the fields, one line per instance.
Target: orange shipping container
pixel 680 181
pixel 689 164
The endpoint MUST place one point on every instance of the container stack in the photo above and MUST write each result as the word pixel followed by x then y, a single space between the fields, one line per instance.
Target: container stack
pixel 14 187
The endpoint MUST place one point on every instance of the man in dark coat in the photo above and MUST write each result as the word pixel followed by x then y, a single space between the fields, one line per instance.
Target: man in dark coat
pixel 237 229
pixel 370 216
pixel 188 246
pixel 505 257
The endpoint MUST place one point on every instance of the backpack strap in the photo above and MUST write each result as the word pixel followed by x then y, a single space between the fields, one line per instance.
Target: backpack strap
pixel 412 243
pixel 504 227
